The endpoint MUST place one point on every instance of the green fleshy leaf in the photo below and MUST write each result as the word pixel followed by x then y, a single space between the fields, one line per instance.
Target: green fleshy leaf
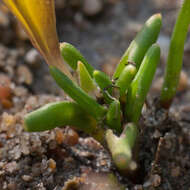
pixel 71 55
pixel 86 81
pixel 139 46
pixel 140 85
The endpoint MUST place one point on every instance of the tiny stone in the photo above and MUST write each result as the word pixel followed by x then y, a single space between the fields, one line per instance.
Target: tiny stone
pixel 20 91
pixel 70 137
pixel 52 164
pixel 2 164
pixel 7 121
pixel 4 21
pixel 12 186
pixel 147 184
pixel 32 56
pixel 156 180
pixel 59 137
pixel 72 184
pixel 11 167
pixel 7 104
pixel 92 7
pixel 24 75
pixel 91 143
pixel 5 90
pixel 26 178
pixel 156 134
pixel 103 162
pixel 52 145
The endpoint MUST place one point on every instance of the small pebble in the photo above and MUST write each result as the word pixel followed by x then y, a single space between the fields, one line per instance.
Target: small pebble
pixel 5 90
pixel 26 178
pixel 59 137
pixel 92 7
pixel 72 184
pixel 4 21
pixel 24 75
pixel 91 143
pixel 70 137
pixel 103 162
pixel 11 167
pixel 8 120
pixel 156 134
pixel 32 57
pixel 156 180
pixel 7 104
pixel 52 164
pixel 12 186
pixel 20 91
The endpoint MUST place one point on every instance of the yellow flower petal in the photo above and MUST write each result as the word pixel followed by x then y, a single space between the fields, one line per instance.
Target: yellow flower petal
pixel 38 20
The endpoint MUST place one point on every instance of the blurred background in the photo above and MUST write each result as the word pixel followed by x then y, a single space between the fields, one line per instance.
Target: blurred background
pixel 100 29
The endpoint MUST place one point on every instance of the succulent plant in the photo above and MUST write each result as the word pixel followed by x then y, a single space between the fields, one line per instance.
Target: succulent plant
pixel 116 119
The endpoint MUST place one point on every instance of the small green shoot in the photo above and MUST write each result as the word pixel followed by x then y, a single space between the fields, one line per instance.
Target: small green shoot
pixel 125 79
pixel 85 80
pixel 103 81
pixel 71 55
pixel 121 148
pixel 175 57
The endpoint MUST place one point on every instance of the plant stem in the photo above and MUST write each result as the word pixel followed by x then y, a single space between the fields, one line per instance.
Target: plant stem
pixel 175 57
